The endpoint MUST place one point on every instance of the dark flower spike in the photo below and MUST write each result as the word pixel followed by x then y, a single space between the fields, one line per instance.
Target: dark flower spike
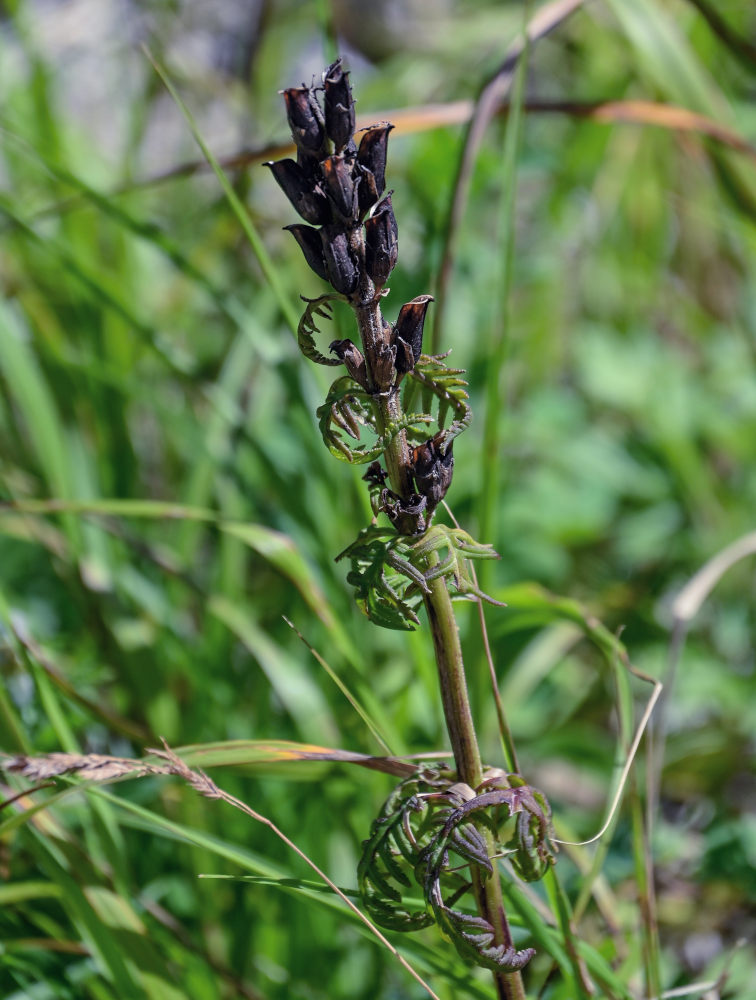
pixel 340 186
pixel 305 119
pixel 339 105
pixel 301 191
pixel 408 332
pixel 353 360
pixel 372 153
pixel 341 269
pixel 312 247
pixel 381 243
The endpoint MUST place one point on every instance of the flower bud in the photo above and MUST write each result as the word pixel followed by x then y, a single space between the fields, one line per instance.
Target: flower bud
pixel 381 243
pixel 305 119
pixel 340 186
pixel 341 270
pixel 408 332
pixel 339 105
pixel 353 360
pixel 301 191
pixel 433 470
pixel 371 157
pixel 312 247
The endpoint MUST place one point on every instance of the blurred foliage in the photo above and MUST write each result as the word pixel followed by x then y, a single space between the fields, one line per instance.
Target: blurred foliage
pixel 143 357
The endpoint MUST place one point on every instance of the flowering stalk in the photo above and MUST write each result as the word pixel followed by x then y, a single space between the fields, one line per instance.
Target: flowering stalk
pixel 350 240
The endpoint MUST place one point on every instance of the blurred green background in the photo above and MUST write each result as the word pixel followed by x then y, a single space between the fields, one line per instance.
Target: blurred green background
pixel 609 265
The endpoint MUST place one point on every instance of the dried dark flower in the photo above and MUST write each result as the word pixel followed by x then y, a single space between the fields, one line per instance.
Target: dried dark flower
pixel 381 243
pixel 353 360
pixel 371 157
pixel 396 507
pixel 376 475
pixel 302 191
pixel 339 105
pixel 341 269
pixel 312 247
pixel 340 186
pixel 408 332
pixel 305 120
pixel 432 469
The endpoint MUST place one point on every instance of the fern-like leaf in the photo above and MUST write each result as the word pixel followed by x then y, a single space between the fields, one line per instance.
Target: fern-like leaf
pixel 381 577
pixel 348 407
pixel 308 327
pixel 474 936
pixel 389 855
pixel 449 388
pixel 459 546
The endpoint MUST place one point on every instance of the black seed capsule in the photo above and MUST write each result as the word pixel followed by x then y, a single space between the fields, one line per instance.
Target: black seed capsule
pixel 381 243
pixel 339 184
pixel 341 269
pixel 339 105
pixel 408 332
pixel 371 155
pixel 305 119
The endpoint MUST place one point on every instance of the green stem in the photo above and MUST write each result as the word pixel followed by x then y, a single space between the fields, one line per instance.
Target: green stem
pixel 443 625
pixel 387 404
pixel 461 729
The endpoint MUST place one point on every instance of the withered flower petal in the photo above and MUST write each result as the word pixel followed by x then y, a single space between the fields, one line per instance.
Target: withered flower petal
pixel 312 247
pixel 339 105
pixel 341 269
pixel 372 153
pixel 353 360
pixel 408 328
pixel 305 119
pixel 340 185
pixel 381 243
pixel 301 191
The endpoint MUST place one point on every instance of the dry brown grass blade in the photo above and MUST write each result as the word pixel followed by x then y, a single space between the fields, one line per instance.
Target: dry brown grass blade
pixel 93 766
pixel 103 768
pixel 206 787
pixel 426 117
